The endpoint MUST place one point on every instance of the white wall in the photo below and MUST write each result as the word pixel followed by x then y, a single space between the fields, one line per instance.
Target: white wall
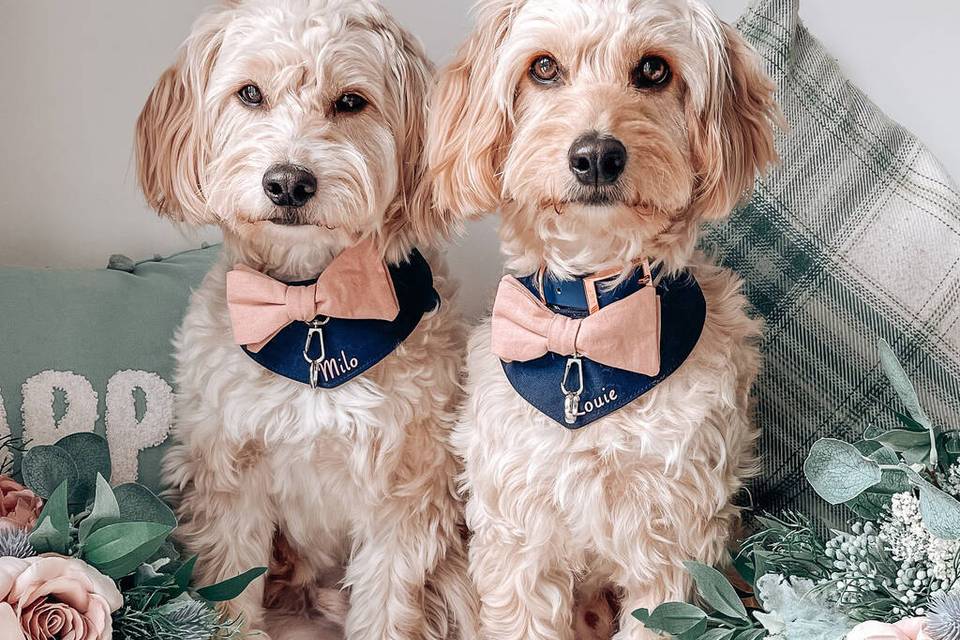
pixel 74 74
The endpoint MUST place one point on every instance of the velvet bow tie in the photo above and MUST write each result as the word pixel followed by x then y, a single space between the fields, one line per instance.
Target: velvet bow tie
pixel 624 334
pixel 355 286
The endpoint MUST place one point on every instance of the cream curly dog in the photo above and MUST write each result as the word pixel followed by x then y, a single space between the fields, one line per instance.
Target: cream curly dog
pixel 606 132
pixel 297 127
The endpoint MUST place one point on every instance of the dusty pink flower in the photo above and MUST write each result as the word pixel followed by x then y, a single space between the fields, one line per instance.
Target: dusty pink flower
pixel 906 629
pixel 55 597
pixel 19 507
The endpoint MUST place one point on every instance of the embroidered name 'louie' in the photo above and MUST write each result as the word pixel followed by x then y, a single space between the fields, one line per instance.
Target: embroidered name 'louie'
pixel 600 401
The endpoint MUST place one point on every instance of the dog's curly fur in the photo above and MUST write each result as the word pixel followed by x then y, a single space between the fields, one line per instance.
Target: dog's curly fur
pixel 624 501
pixel 360 478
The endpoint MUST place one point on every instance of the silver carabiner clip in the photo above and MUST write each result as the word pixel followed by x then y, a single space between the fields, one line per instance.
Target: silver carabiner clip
pixel 315 333
pixel 571 401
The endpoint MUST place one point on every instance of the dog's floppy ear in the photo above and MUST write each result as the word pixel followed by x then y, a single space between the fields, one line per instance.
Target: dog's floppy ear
pixel 732 136
pixel 172 130
pixel 412 75
pixel 469 124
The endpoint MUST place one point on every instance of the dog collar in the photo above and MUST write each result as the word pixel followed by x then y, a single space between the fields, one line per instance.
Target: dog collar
pixel 550 383
pixel 329 352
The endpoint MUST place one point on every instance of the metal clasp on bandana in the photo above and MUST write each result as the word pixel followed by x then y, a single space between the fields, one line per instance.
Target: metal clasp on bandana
pixel 315 332
pixel 571 402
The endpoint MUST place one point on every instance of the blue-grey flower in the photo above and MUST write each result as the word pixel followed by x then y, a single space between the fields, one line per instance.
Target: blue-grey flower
pixel 943 619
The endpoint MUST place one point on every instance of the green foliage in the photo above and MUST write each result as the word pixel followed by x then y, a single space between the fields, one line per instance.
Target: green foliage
pixel 52 534
pixel 124 532
pixel 678 619
pixel 839 472
pixel 139 504
pixel 727 618
pixel 91 455
pixel 47 467
pixel 181 619
pixel 788 545
pixel 230 589
pixel 105 509
pixel 863 475
pixel 716 591
pixel 118 549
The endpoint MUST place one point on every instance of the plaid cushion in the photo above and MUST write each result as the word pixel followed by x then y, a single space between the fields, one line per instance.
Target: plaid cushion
pixel 854 237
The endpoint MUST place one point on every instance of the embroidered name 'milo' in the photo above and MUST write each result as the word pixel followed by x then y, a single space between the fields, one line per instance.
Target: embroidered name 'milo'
pixel 333 368
pixel 600 401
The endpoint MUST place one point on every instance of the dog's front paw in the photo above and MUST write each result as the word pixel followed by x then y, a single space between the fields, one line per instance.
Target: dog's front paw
pixel 593 617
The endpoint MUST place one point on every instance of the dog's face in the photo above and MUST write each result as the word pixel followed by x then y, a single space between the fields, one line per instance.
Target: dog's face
pixel 622 121
pixel 289 121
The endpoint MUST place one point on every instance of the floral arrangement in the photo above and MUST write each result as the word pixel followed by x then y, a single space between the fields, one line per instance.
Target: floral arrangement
pixel 893 575
pixel 81 559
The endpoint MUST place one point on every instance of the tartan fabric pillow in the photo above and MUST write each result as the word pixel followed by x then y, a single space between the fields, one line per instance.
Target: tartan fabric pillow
pixel 854 237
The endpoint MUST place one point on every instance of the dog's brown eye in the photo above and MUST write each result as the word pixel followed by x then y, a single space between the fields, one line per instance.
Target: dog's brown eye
pixel 250 95
pixel 651 73
pixel 545 70
pixel 350 103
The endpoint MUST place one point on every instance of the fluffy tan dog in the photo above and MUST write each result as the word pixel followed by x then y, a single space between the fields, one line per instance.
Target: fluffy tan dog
pixel 297 127
pixel 606 132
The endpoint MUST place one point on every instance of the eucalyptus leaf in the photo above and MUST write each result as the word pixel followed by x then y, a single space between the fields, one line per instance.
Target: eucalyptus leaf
pixel 908 395
pixel 118 549
pixel 46 538
pixel 751 634
pixel 643 615
pixel 91 454
pixel 877 452
pixel 869 505
pixel 105 509
pixel 52 533
pixel 838 472
pixel 716 590
pixel 941 513
pixel 46 467
pixel 184 574
pixel 139 504
pixel 909 422
pixel 230 589
pixel 921 454
pixel 902 439
pixel 872 431
pixel 674 618
pixel 901 384
pixel 694 633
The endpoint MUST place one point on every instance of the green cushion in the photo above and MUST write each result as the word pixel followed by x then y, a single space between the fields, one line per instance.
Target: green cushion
pixel 91 350
pixel 853 238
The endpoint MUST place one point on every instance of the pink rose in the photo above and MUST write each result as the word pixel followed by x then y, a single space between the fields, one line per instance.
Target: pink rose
pixel 906 629
pixel 19 507
pixel 55 597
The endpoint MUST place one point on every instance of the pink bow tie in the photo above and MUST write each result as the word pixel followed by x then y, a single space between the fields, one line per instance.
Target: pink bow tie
pixel 356 286
pixel 624 334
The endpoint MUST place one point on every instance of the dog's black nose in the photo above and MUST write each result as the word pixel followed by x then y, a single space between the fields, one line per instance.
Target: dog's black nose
pixel 597 160
pixel 288 185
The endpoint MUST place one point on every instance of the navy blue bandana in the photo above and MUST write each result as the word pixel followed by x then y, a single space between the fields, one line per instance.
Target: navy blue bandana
pixel 683 311
pixel 344 349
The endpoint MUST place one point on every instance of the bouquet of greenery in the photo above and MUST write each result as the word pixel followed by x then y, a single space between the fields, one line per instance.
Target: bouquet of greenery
pixel 895 574
pixel 79 558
